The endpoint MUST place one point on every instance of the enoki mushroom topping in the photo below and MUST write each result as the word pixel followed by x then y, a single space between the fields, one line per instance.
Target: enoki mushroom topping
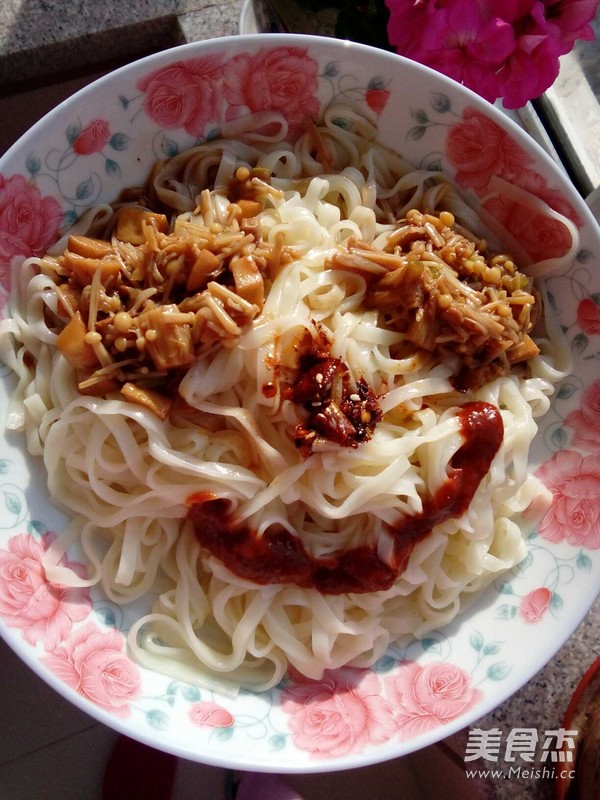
pixel 448 296
pixel 143 305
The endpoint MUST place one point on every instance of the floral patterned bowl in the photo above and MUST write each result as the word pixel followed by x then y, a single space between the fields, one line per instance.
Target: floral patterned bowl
pixel 106 137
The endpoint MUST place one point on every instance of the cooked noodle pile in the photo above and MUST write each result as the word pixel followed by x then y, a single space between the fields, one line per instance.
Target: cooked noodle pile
pixel 273 343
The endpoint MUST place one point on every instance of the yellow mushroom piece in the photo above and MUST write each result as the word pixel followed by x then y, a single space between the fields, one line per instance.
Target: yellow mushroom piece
pixel 73 345
pixel 131 221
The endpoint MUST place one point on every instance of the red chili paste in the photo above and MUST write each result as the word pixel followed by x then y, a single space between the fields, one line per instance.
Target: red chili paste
pixel 280 557
pixel 348 420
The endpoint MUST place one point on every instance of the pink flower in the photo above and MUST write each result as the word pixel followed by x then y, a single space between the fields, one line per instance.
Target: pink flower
pixel 468 45
pixel 92 138
pixel 585 421
pixel 94 664
pixel 282 79
pixel 575 512
pixel 569 20
pixel 540 235
pixel 468 40
pixel 425 697
pixel 186 94
pixel 340 714
pixel 508 48
pixel 210 715
pixel 588 317
pixel 479 148
pixel 408 19
pixel 531 69
pixel 29 223
pixel 533 605
pixel 44 612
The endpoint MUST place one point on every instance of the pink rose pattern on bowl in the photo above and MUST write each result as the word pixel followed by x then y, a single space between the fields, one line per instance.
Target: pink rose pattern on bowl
pixel 94 663
pixel 44 612
pixel 349 708
pixel 210 715
pixel 93 138
pixel 415 690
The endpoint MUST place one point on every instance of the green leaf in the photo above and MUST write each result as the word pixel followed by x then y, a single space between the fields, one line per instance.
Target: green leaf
pixel 376 83
pixel 384 664
pixel 498 671
pixel 440 102
pixel 566 390
pixel 525 563
pixel 33 165
pixel 416 133
pixel 168 147
pixel 85 189
pixel 342 123
pixel 4 466
pixel 112 168
pixel 580 342
pixel 584 255
pixel 172 688
pixel 435 166
pixel 278 741
pixel 119 141
pixel 584 562
pixel 431 645
pixel 107 616
pixel 73 132
pixel 123 100
pixel 507 611
pixel 556 602
pixel 504 587
pixel 70 218
pixel 492 648
pixel 331 70
pixel 224 734
pixel 596 298
pixel 559 437
pixel 13 504
pixel 190 692
pixel 157 719
pixel 476 640
pixel 36 528
pixel 420 116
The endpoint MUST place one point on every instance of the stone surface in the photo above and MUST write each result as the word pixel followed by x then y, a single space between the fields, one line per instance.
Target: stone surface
pixel 41 39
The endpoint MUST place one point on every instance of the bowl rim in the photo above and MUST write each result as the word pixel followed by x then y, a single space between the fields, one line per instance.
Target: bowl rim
pixel 240 42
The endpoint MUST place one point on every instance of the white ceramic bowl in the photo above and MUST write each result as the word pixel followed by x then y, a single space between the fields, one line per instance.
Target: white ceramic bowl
pixel 105 138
